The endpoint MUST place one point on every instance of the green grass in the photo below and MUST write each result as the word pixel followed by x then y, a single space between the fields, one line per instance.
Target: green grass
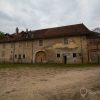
pixel 8 65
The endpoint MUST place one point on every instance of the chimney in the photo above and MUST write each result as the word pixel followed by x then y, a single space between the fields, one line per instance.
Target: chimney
pixel 26 30
pixel 17 30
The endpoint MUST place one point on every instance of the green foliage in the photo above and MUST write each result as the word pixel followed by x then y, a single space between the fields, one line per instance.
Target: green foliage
pixel 7 65
pixel 2 34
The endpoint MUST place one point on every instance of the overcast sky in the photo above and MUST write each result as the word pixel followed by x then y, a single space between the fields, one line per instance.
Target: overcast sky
pixel 37 14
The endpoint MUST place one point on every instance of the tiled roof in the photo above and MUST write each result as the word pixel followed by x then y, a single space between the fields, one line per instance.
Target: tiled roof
pixel 71 30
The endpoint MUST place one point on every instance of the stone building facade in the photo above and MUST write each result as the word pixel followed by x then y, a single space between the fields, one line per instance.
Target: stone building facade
pixel 67 44
pixel 94 49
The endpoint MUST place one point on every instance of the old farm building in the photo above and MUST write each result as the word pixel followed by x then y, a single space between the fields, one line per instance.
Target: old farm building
pixel 67 44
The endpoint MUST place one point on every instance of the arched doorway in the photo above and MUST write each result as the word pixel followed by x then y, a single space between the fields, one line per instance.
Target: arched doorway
pixel 40 57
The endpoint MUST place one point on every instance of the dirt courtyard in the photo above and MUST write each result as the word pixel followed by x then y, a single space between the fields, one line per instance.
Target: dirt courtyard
pixel 49 83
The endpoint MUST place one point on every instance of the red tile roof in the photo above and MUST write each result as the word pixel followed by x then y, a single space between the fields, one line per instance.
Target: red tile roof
pixel 71 30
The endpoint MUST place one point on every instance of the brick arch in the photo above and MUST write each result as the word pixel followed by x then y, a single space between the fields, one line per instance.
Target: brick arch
pixel 40 57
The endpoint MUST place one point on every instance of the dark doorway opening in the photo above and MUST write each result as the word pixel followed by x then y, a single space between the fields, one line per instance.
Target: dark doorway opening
pixel 65 59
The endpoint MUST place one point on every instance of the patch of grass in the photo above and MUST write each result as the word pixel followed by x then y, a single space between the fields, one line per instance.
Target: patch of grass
pixel 9 65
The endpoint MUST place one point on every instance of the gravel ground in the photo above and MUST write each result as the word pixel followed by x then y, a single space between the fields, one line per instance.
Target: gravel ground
pixel 50 83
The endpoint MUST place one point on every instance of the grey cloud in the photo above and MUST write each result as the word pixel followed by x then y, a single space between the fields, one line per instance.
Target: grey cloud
pixel 4 16
pixel 35 14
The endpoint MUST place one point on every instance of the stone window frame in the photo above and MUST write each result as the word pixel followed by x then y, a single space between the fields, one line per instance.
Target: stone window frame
pixel 58 55
pixel 19 56
pixel 15 56
pixel 74 55
pixel 23 56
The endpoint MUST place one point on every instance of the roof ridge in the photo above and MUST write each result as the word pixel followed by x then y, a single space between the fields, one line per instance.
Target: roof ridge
pixel 59 27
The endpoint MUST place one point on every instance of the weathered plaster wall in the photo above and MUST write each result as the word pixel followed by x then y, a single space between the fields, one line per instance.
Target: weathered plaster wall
pixel 23 48
pixel 51 47
pixel 6 52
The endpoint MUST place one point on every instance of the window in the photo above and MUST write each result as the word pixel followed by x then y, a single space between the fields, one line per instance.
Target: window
pixel 19 57
pixel 15 56
pixel 23 56
pixel 40 42
pixel 65 40
pixel 74 55
pixel 58 55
